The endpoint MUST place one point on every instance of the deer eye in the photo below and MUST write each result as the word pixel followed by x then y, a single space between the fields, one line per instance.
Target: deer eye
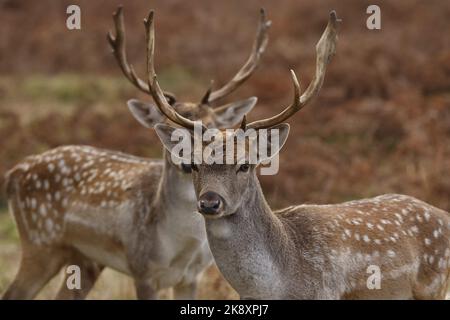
pixel 187 168
pixel 244 168
pixel 194 167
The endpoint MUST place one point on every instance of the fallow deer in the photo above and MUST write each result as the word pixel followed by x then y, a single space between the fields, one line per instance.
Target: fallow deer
pixel 316 251
pixel 84 206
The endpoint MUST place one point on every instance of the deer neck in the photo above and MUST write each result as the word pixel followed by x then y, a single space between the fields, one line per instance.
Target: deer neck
pixel 176 194
pixel 174 204
pixel 250 247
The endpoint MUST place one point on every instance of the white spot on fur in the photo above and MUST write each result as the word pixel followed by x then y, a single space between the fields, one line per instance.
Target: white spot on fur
pixel 43 210
pixel 49 225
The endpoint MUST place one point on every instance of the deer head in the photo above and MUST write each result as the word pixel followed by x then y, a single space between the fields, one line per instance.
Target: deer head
pixel 149 115
pixel 221 188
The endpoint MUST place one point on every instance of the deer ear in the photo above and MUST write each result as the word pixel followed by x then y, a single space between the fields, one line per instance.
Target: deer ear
pixel 178 141
pixel 272 141
pixel 231 114
pixel 146 113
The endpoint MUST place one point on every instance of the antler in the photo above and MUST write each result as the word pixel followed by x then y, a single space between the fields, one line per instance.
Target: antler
pixel 259 45
pixel 155 89
pixel 117 44
pixel 325 49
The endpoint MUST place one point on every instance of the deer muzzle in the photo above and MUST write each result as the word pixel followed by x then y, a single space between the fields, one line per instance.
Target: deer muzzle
pixel 210 204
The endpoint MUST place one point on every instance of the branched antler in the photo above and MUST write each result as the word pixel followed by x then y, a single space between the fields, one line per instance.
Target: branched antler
pixel 325 49
pixel 259 46
pixel 117 44
pixel 155 89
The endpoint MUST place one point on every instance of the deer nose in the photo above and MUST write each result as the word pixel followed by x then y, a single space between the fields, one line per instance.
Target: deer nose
pixel 209 203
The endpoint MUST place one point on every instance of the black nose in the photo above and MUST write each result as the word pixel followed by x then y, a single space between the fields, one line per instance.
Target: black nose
pixel 209 203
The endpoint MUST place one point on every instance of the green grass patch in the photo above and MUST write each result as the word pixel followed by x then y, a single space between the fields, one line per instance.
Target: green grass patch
pixel 3 205
pixel 8 230
pixel 177 78
pixel 69 88
pixel 85 89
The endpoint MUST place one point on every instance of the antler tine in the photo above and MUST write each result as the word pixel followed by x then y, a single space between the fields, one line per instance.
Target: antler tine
pixel 325 49
pixel 118 44
pixel 259 45
pixel 205 99
pixel 153 84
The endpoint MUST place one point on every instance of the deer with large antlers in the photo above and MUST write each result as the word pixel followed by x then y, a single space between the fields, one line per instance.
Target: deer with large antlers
pixel 95 208
pixel 315 251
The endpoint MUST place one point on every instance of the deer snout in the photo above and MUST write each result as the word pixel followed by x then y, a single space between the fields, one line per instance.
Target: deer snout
pixel 210 203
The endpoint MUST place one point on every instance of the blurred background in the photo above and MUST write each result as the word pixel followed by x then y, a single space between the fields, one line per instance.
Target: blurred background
pixel 381 123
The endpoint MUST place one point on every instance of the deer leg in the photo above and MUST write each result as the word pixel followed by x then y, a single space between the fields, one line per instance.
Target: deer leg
pixel 89 271
pixel 37 267
pixel 185 290
pixel 145 290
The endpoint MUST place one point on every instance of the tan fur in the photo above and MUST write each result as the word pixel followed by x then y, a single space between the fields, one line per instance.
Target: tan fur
pixel 93 208
pixel 406 238
pixel 324 251
pixel 96 208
